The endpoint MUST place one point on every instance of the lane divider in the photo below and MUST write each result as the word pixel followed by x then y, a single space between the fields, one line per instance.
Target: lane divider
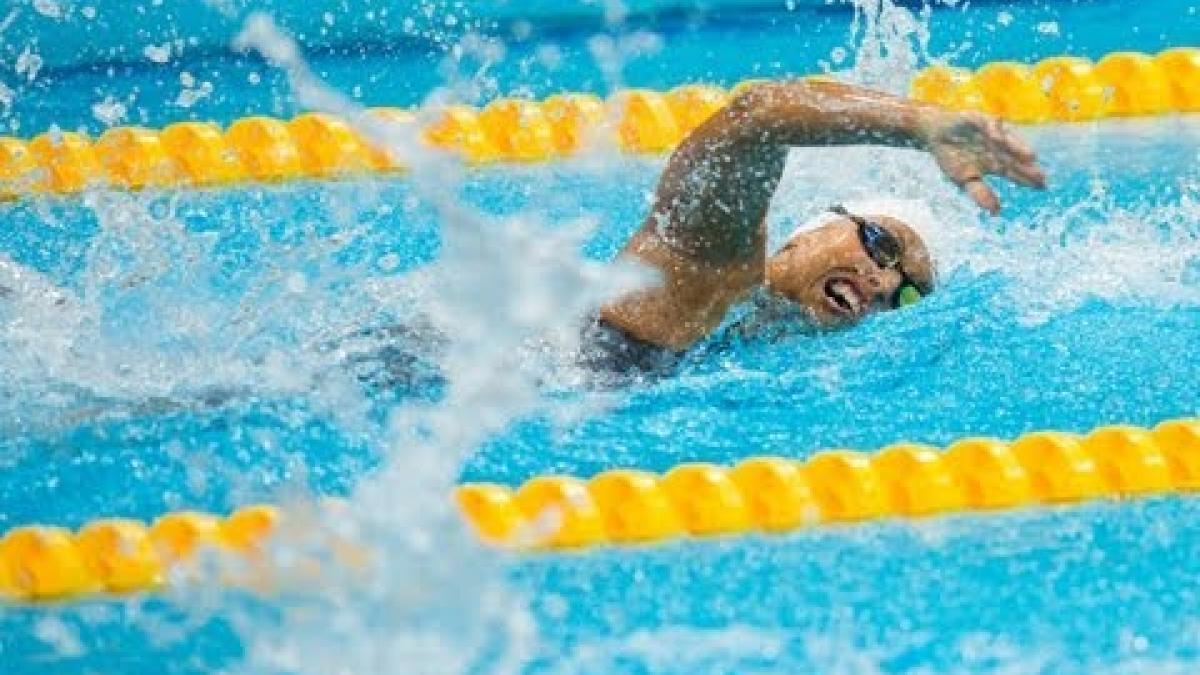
pixel 1069 88
pixel 118 555
pixel 315 145
pixel 625 507
pixel 774 494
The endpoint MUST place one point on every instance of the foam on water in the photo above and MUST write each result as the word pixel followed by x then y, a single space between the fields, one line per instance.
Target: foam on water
pixel 156 324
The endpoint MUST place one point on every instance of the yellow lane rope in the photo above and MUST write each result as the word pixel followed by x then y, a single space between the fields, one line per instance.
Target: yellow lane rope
pixel 117 555
pixel 1069 88
pixel 624 507
pixel 315 145
pixel 772 494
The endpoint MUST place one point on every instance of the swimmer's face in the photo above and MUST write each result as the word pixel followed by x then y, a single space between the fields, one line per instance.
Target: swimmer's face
pixel 829 273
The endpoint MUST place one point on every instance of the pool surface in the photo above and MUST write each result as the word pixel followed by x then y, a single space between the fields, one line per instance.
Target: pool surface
pixel 190 369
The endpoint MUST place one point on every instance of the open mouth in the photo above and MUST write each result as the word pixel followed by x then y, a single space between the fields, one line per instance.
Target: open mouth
pixel 844 298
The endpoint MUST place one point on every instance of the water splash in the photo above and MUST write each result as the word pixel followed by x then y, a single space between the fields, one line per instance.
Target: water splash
pixel 890 44
pixel 495 287
pixel 155 323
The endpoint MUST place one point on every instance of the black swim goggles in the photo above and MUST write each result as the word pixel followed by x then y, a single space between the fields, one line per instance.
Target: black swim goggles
pixel 887 251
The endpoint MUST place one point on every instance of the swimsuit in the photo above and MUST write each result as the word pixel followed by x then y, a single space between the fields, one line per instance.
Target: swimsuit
pixel 607 349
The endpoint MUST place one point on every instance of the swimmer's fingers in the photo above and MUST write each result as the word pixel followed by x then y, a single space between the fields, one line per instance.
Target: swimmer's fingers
pixel 967 169
pixel 966 173
pixel 1021 172
pixel 1028 174
pixel 1008 141
pixel 1012 157
pixel 982 194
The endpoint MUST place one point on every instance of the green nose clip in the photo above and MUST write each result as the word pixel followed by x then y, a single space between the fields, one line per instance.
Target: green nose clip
pixel 907 294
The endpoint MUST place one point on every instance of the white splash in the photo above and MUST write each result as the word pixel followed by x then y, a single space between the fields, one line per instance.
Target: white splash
pixel 890 44
pixel 110 111
pixel 496 287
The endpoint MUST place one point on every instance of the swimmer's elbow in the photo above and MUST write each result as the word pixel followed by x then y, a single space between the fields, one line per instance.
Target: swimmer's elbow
pixel 777 112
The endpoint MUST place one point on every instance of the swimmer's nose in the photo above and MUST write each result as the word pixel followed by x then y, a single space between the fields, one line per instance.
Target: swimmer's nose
pixel 883 284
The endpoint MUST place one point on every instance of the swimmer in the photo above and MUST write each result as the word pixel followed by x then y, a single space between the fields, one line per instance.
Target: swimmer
pixel 706 232
pixel 706 235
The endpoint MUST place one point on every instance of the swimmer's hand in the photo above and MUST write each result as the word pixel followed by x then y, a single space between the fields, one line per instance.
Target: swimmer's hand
pixel 969 146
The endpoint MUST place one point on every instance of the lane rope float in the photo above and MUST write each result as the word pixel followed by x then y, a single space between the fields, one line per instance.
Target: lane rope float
pixel 317 145
pixel 627 507
pixel 1070 88
pixel 775 494
pixel 119 555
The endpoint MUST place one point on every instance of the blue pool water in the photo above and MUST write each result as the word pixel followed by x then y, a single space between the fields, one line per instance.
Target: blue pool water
pixel 381 62
pixel 1078 307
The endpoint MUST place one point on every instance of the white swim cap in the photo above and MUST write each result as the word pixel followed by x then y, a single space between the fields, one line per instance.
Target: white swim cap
pixel 915 212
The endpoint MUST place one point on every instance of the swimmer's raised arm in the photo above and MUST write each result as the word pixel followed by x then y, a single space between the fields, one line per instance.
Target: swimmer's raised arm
pixel 967 145
pixel 717 187
pixel 706 231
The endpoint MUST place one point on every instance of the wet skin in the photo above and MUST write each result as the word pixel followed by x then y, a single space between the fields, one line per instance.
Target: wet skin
pixel 706 233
